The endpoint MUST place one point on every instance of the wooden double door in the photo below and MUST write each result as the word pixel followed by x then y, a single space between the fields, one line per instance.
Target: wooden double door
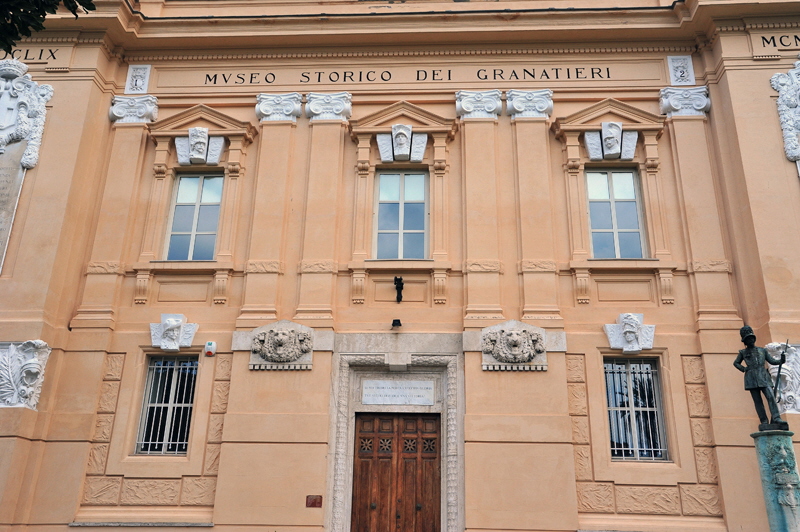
pixel 397 473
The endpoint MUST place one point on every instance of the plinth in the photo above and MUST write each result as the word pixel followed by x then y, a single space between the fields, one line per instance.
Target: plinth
pixel 779 479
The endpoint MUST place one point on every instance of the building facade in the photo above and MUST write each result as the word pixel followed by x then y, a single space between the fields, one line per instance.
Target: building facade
pixel 422 266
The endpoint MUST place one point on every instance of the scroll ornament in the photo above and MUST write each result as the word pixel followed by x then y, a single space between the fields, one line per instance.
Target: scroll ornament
pixel 536 104
pixel 23 102
pixel 328 106
pixel 788 87
pixel 279 106
pixel 478 104
pixel 22 373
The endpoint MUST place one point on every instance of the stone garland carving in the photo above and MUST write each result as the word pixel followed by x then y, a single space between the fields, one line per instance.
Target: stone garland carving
pixel 23 103
pixel 611 142
pixel 513 346
pixel 279 106
pixel 283 345
pixel 172 333
pixel 199 148
pixel 146 492
pixel 263 266
pixel 478 104
pixel 401 144
pixel 788 87
pixel 22 373
pixel 329 106
pixel 648 500
pixel 700 500
pixel 595 497
pixel 630 334
pixel 138 79
pixel 789 388
pixel 534 104
pixel 681 70
pixel 133 109
pixel 684 101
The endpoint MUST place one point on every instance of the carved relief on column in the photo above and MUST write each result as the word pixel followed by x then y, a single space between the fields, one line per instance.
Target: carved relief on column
pixel 536 104
pixel 478 104
pixel 684 101
pixel 279 106
pixel 22 373
pixel 328 106
pixel 788 87
pixel 133 109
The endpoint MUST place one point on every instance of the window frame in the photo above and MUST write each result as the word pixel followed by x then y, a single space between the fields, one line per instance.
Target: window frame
pixel 659 408
pixel 193 233
pixel 145 420
pixel 615 230
pixel 376 202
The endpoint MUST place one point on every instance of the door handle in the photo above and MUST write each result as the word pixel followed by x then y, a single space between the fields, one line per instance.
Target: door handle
pixel 398 516
pixel 419 507
pixel 372 506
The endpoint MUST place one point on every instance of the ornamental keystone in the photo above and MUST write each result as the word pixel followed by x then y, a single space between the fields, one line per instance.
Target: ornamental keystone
pixel 684 101
pixel 630 334
pixel 478 104
pixel 172 333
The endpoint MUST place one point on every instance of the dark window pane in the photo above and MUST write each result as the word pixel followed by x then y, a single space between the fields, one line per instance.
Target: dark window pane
pixel 630 245
pixel 184 216
pixel 389 216
pixel 414 216
pixel 388 245
pixel 204 247
pixel 600 214
pixel 179 247
pixel 627 217
pixel 603 245
pixel 207 218
pixel 414 246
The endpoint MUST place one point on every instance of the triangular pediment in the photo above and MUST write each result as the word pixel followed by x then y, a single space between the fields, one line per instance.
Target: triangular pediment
pixel 610 110
pixel 202 116
pixel 402 113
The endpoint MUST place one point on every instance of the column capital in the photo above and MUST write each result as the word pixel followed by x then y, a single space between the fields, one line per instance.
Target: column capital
pixel 130 109
pixel 684 101
pixel 478 104
pixel 279 106
pixel 536 104
pixel 329 105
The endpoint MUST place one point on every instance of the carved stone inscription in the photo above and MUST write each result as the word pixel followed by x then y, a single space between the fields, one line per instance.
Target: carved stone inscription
pixel 11 176
pixel 397 392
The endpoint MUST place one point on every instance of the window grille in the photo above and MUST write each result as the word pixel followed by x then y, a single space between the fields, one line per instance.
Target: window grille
pixel 634 410
pixel 167 409
pixel 615 217
pixel 402 216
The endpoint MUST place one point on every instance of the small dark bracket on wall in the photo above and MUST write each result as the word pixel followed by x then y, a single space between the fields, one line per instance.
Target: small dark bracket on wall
pixel 398 285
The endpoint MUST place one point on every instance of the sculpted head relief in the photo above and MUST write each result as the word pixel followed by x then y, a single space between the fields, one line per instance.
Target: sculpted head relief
pixel 282 342
pixel 172 333
pixel 513 343
pixel 630 334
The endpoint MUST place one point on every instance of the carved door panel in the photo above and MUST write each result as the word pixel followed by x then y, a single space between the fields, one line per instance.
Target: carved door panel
pixel 397 473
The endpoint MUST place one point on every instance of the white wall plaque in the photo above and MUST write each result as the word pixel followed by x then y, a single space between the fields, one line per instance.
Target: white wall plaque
pixel 138 79
pixel 397 393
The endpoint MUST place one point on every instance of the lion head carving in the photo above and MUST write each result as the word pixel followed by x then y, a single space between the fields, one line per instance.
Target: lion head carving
pixel 281 344
pixel 513 345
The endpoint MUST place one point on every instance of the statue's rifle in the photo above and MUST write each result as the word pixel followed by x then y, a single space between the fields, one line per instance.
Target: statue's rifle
pixel 776 391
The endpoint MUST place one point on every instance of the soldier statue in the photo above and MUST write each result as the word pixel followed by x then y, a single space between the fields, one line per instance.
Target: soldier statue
pixel 757 379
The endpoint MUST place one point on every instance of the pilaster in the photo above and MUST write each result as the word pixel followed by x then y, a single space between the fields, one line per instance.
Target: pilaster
pixel 478 112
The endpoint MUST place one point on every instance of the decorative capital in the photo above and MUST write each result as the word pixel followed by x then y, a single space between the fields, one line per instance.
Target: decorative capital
pixel 23 108
pixel 684 101
pixel 513 346
pixel 630 334
pixel 132 109
pixel 172 333
pixel 329 106
pixel 279 106
pixel 22 373
pixel 478 104
pixel 788 87
pixel 537 104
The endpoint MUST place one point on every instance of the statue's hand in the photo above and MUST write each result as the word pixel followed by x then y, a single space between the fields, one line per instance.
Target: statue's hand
pixel 783 358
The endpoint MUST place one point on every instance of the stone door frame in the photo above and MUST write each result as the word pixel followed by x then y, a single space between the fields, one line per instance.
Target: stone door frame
pixel 446 367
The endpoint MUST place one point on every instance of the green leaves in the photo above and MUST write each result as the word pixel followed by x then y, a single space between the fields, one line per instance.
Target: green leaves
pixel 19 18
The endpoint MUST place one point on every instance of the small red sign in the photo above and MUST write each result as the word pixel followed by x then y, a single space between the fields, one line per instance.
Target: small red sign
pixel 313 501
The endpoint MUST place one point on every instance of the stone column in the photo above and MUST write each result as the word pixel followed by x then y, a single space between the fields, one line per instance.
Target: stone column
pixel 105 270
pixel 278 114
pixel 686 110
pixel 328 115
pixel 478 111
pixel 529 112
pixel 779 479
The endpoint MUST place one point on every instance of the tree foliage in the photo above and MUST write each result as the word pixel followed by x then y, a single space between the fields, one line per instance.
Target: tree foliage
pixel 19 18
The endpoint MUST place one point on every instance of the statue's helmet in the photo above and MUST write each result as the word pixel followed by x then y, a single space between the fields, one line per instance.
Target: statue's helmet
pixel 746 331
